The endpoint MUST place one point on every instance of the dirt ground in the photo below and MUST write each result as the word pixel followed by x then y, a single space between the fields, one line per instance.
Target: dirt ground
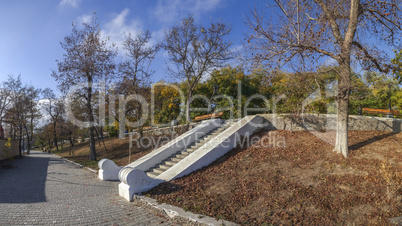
pixel 297 179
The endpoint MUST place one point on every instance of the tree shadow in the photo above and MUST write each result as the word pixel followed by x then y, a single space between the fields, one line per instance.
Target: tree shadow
pixel 370 141
pixel 25 181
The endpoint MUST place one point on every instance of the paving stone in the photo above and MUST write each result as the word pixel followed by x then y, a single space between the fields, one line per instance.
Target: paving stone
pixel 43 189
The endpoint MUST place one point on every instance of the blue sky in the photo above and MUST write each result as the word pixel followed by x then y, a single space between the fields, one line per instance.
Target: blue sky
pixel 31 31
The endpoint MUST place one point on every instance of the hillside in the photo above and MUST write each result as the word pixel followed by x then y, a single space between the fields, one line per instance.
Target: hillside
pixel 304 182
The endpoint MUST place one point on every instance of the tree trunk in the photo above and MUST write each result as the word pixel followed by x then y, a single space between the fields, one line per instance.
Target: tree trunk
pixel 28 141
pixel 92 154
pixel 71 143
pixel 70 137
pixel 188 107
pixel 55 136
pixel 188 111
pixel 1 130
pixel 20 142
pixel 31 134
pixel 97 136
pixel 341 142
pixel 28 145
pixel 103 139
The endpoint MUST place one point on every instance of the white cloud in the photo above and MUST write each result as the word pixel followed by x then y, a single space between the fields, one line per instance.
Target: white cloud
pixel 73 3
pixel 45 116
pixel 157 36
pixel 169 11
pixel 119 28
pixel 86 18
pixel 330 62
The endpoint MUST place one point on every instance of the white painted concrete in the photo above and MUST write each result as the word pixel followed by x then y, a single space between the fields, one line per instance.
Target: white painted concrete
pixel 108 170
pixel 135 181
pixel 213 149
pixel 150 160
pixel 133 177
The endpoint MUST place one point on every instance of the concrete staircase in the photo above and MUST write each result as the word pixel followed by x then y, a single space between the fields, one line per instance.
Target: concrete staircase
pixel 180 155
pixel 196 148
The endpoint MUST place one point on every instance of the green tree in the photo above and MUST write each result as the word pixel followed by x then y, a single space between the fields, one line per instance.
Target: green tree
pixel 397 65
pixel 383 88
pixel 223 88
pixel 297 87
pixel 167 102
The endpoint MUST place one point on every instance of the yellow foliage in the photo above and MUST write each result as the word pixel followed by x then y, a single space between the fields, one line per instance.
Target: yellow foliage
pixel 8 143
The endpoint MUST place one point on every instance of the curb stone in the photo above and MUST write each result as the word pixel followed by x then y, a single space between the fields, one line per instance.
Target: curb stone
pixel 79 165
pixel 177 214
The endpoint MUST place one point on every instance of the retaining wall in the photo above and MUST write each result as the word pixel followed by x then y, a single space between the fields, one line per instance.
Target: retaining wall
pixel 168 130
pixel 323 122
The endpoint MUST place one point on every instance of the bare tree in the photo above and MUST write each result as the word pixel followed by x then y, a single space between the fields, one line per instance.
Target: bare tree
pixel 301 32
pixel 32 113
pixel 5 102
pixel 195 50
pixel 71 130
pixel 88 59
pixel 55 108
pixel 135 71
pixel 23 111
pixel 140 53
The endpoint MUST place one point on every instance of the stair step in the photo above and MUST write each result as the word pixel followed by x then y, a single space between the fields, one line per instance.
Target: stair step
pixel 175 159
pixel 180 156
pixel 170 163
pixel 186 152
pixel 159 170
pixel 152 174
pixel 164 166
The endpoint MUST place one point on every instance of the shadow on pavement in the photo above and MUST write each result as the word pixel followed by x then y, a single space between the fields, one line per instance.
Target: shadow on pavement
pixel 24 182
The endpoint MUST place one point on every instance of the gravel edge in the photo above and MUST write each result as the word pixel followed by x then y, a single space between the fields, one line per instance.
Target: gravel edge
pixel 177 214
pixel 79 165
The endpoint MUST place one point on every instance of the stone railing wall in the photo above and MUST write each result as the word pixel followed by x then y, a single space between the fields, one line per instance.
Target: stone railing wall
pixel 168 130
pixel 323 122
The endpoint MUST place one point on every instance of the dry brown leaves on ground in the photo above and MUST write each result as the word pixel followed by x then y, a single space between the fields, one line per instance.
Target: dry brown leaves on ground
pixel 301 183
pixel 116 150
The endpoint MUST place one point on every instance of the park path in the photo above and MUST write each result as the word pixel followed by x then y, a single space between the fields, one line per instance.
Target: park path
pixel 44 189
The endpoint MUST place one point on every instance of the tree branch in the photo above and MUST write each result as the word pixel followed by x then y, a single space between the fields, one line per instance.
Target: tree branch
pixel 334 25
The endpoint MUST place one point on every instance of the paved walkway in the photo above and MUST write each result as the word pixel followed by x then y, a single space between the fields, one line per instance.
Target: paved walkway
pixel 44 189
